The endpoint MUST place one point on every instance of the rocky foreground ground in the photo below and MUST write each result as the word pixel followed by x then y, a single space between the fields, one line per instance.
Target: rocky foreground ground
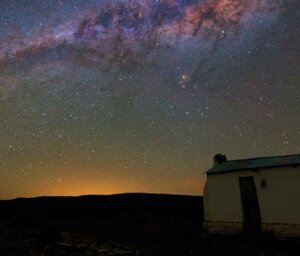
pixel 131 224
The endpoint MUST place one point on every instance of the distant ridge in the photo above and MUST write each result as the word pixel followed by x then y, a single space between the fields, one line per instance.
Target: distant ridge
pixel 127 207
pixel 129 194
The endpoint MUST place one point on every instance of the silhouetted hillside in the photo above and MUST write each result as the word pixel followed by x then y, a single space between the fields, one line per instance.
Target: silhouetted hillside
pixel 124 206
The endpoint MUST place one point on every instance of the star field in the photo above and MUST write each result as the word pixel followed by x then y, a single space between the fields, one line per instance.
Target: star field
pixel 102 97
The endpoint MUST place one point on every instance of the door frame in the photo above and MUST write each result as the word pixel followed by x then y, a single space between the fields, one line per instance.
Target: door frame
pixel 250 206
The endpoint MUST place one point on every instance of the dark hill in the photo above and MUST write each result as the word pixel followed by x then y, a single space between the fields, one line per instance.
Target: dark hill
pixel 126 206
pixel 150 224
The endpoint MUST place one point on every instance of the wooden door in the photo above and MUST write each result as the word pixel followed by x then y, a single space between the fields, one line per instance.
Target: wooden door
pixel 250 205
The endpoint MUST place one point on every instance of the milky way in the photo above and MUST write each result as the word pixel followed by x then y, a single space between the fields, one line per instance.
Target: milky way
pixel 100 97
pixel 127 31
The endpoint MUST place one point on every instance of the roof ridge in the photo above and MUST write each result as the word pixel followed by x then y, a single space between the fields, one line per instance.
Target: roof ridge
pixel 255 163
pixel 263 157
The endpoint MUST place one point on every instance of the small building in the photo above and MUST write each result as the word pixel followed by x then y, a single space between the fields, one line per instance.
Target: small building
pixel 253 195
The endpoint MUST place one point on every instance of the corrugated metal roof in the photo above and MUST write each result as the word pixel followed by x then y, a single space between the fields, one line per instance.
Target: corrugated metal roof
pixel 254 163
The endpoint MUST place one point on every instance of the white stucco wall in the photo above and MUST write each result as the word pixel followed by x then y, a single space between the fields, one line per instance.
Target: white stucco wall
pixel 279 201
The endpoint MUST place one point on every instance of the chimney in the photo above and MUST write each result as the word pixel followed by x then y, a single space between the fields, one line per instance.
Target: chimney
pixel 219 159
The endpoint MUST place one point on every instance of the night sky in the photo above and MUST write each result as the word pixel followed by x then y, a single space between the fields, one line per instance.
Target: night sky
pixel 102 97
